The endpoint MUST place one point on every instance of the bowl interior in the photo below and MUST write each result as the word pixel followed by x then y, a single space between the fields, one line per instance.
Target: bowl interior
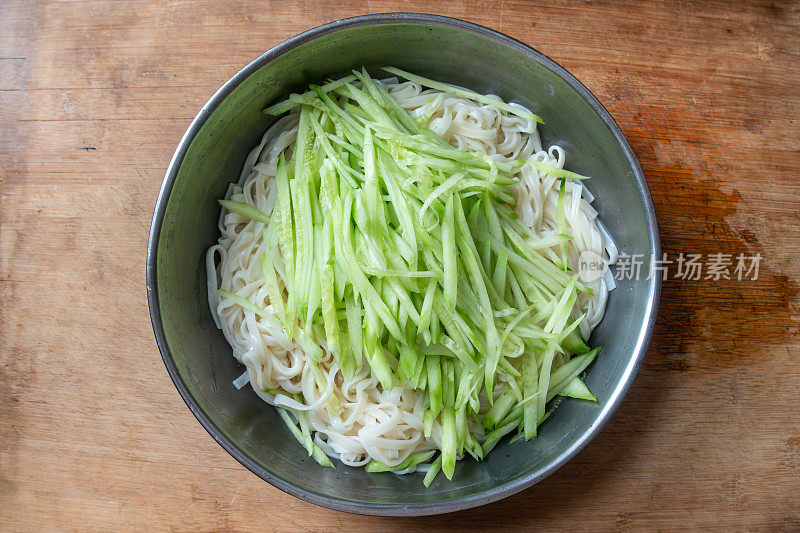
pixel 199 357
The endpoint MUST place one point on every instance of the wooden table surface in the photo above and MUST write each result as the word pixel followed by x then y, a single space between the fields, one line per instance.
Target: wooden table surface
pixel 94 97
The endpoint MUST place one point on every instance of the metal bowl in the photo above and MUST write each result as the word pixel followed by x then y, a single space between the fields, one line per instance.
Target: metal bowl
pixel 211 154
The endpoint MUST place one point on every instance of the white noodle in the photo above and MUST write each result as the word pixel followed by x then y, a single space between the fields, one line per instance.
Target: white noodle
pixel 371 423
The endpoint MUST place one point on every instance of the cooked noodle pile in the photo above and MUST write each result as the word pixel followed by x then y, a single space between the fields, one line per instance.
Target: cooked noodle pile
pixel 368 422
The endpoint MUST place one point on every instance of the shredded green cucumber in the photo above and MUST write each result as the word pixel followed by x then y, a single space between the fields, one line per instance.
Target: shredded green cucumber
pixel 405 254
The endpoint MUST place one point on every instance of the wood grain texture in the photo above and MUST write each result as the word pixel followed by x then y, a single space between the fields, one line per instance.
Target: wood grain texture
pixel 94 96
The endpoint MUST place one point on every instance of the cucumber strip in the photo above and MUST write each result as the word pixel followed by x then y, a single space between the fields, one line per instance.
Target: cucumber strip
pixel 544 381
pixel 459 352
pixel 354 328
pixel 427 307
pixel 315 290
pixel 371 182
pixel 304 243
pixel 500 273
pixel 449 267
pixel 247 304
pixel 512 383
pixel 449 442
pixel 439 191
pixel 494 437
pixel 530 387
pixel 464 93
pixel 433 470
pixel 427 111
pixel 304 234
pixel 499 410
pixel 457 335
pixel 572 326
pixel 469 381
pixel 569 371
pixel 317 453
pixel 574 343
pixel 515 438
pixel 536 243
pixel 308 344
pixel 376 357
pixel 427 422
pixel 461 427
pixel 534 256
pixel 516 292
pixel 271 281
pixel 448 383
pixel 561 221
pixel 360 115
pixel 544 168
pixel 344 357
pixel 245 210
pixel 413 460
pixel 510 370
pixel 404 299
pixel 492 220
pixel 421 381
pixel 473 447
pixel 434 369
pixel 577 389
pixel 562 309
pixel 407 364
pixel 285 230
pixel 305 430
pixel 357 152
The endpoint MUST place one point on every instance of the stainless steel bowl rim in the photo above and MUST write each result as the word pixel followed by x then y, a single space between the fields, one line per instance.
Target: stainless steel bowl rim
pixel 399 509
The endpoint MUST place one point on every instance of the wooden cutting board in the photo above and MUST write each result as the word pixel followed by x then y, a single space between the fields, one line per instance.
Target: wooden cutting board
pixel 94 96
